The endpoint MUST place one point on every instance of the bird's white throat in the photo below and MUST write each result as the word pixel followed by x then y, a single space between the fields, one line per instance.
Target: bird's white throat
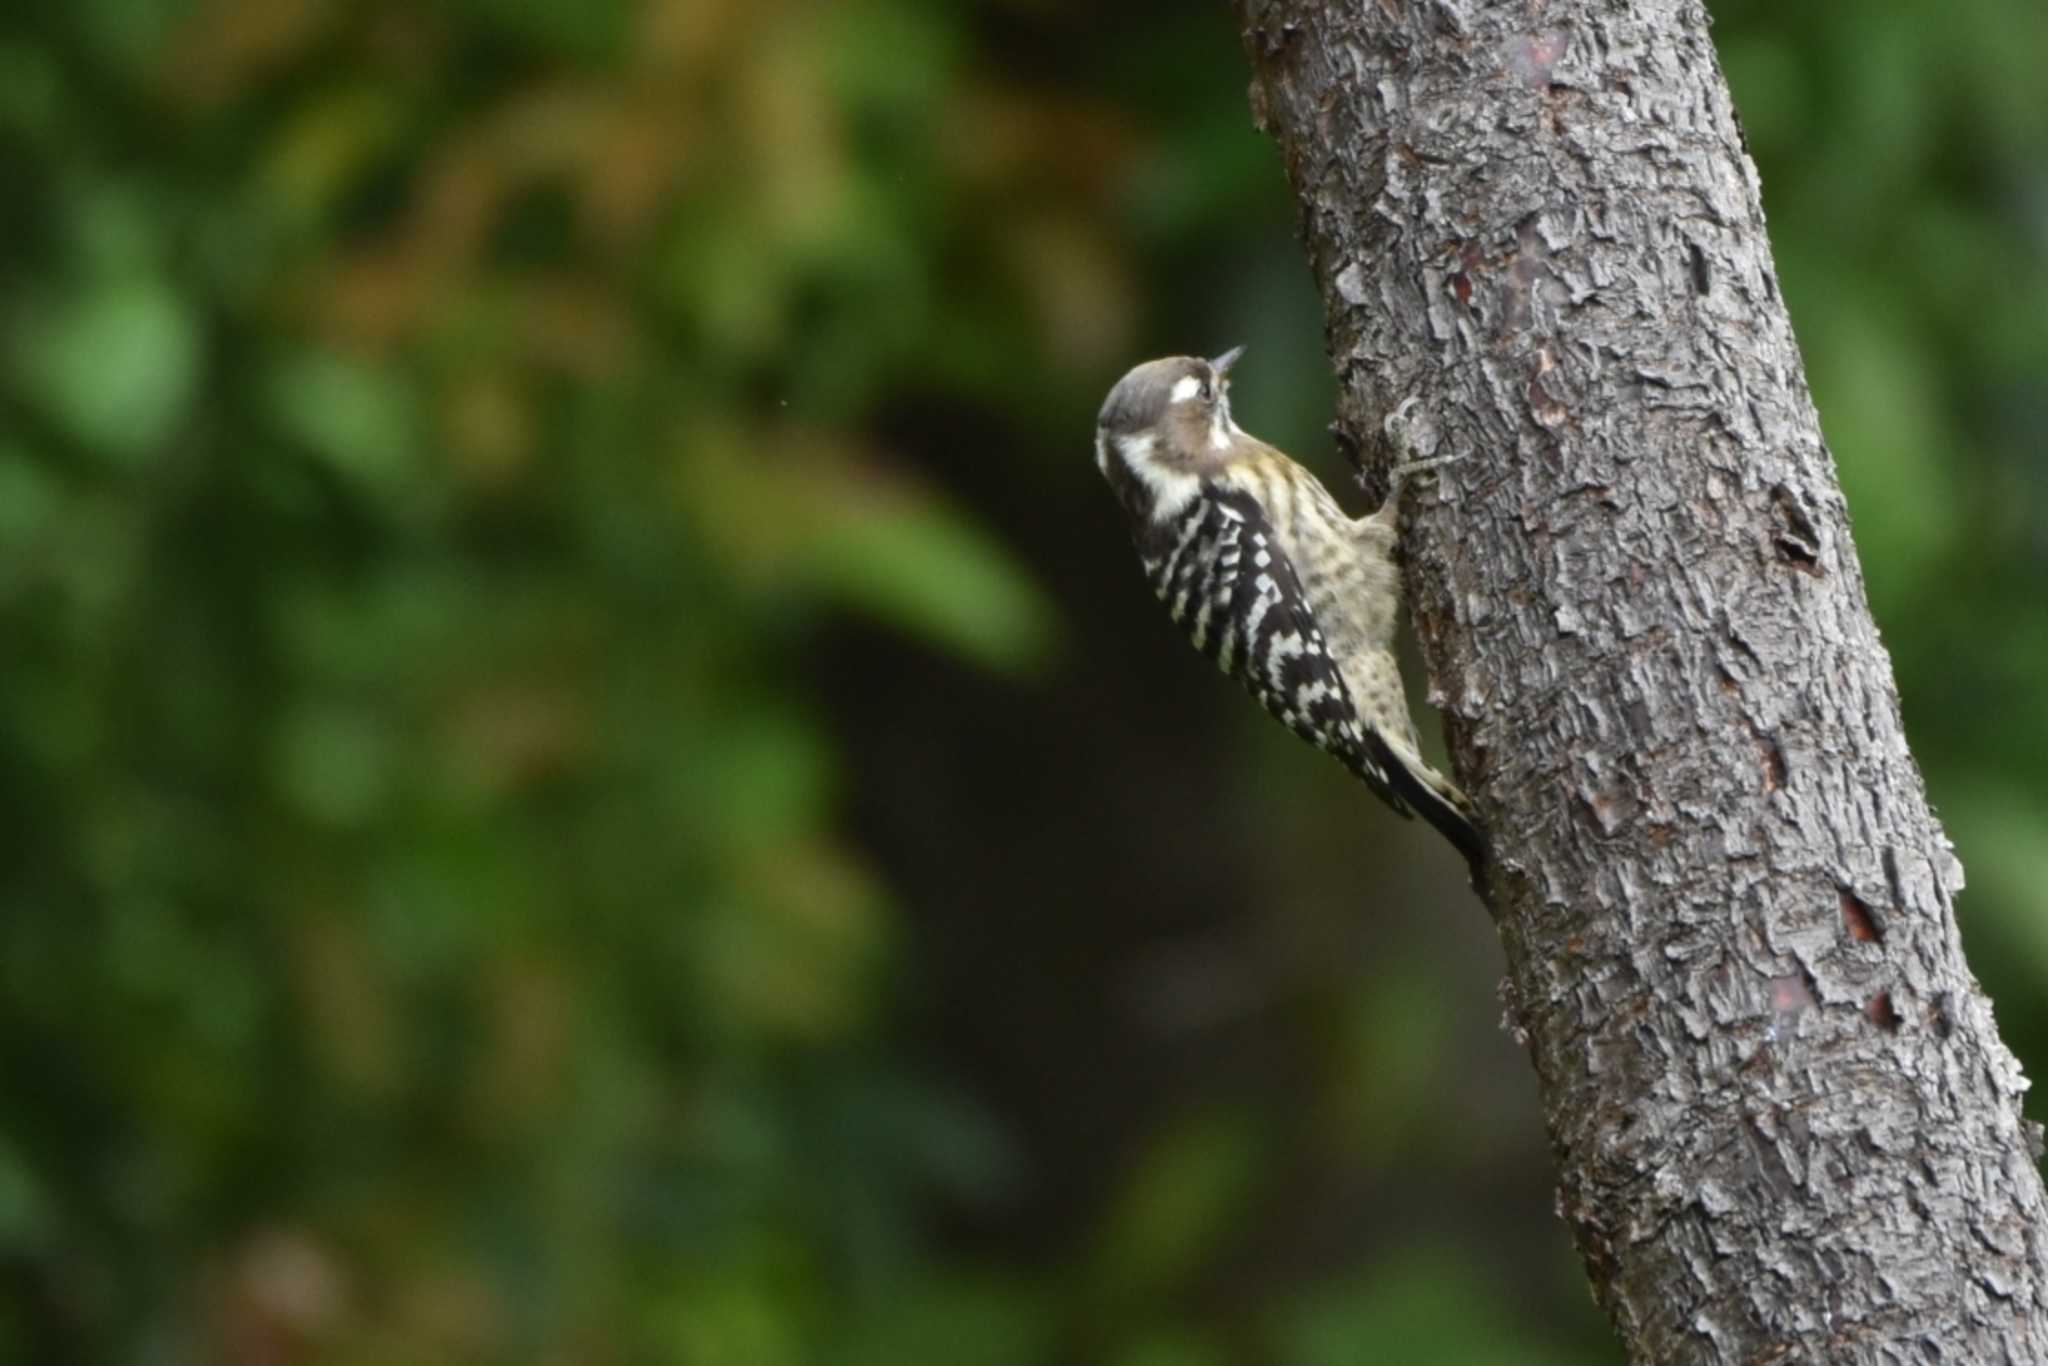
pixel 1171 489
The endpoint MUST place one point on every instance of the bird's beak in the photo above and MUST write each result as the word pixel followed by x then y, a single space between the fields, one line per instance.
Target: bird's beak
pixel 1221 365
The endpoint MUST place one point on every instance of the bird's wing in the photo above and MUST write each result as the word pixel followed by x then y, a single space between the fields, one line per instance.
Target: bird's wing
pixel 1235 591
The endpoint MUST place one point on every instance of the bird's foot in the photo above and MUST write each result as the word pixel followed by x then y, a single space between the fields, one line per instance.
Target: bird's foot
pixel 1406 464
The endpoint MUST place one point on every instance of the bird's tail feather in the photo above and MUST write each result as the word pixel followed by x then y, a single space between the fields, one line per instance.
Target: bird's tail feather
pixel 1452 819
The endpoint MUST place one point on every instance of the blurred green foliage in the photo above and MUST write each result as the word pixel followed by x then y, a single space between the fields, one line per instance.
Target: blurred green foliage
pixel 512 510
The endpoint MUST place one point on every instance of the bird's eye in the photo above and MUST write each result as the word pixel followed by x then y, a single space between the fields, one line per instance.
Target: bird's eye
pixel 1207 391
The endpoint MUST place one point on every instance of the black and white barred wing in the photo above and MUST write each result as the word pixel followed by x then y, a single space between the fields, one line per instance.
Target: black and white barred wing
pixel 1225 581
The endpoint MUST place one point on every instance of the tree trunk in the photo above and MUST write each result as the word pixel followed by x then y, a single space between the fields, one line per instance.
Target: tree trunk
pixel 1785 1126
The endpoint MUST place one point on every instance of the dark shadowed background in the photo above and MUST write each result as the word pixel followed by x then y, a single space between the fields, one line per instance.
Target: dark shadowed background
pixel 589 776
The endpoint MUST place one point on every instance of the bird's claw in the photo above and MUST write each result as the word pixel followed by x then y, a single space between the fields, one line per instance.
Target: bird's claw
pixel 1405 464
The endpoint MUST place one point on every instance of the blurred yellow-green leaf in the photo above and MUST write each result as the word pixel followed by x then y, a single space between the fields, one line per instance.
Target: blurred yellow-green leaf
pixel 356 416
pixel 927 571
pixel 1188 1195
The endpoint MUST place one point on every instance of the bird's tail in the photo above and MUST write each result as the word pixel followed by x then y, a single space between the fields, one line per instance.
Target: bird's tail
pixel 1440 803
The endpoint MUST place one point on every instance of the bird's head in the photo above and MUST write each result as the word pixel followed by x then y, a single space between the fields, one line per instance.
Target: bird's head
pixel 1176 396
pixel 1165 422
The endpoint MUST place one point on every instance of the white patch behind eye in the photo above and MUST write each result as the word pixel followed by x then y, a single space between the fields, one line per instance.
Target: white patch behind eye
pixel 1186 388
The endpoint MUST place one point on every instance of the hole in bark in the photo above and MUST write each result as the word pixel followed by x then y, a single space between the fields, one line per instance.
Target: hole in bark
pixel 1857 920
pixel 1774 763
pixel 1790 508
pixel 1800 557
pixel 1696 262
pixel 1798 540
pixel 1879 1009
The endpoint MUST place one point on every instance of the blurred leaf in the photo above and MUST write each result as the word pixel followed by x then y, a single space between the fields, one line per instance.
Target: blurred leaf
pixel 115 363
pixel 734 1319
pixel 761 778
pixel 795 508
pixel 887 56
pixel 29 498
pixel 927 571
pixel 335 763
pixel 958 1318
pixel 356 416
pixel 1190 1192
pixel 718 282
pixel 325 149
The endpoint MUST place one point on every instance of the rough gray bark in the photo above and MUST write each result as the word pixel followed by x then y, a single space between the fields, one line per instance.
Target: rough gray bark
pixel 1786 1128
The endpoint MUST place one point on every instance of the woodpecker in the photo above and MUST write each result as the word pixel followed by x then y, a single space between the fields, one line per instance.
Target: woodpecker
pixel 1272 580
